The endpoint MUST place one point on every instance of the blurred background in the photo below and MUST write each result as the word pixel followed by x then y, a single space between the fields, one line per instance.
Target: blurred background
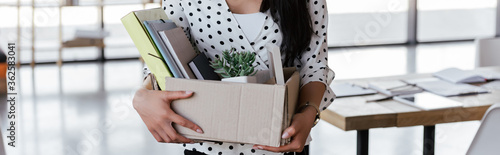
pixel 80 69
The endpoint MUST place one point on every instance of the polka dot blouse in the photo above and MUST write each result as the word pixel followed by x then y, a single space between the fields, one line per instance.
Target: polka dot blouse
pixel 212 28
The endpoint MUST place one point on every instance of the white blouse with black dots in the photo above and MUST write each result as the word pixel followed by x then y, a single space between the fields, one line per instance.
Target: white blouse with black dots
pixel 212 28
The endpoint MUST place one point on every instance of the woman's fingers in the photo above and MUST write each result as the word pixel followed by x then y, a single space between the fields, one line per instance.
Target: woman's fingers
pixel 294 146
pixel 177 119
pixel 163 135
pixel 156 135
pixel 175 95
pixel 174 136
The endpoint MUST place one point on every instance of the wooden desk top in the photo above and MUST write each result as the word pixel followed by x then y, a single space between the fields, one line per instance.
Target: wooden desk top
pixel 353 113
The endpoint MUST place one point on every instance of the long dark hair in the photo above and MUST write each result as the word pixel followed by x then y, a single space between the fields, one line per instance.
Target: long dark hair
pixel 295 23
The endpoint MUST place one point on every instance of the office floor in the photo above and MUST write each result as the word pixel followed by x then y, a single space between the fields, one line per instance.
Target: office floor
pixel 85 108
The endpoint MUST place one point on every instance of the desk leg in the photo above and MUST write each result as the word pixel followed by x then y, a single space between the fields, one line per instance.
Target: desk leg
pixel 429 135
pixel 362 146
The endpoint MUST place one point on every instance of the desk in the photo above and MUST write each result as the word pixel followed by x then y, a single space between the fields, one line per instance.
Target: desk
pixel 353 113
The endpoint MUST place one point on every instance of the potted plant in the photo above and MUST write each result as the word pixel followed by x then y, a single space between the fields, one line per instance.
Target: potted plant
pixel 235 66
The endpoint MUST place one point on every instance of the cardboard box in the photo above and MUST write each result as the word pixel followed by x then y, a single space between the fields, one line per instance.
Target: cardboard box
pixel 237 112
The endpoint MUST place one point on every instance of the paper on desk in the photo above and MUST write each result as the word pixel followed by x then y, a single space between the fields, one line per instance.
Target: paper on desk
pixel 492 85
pixel 418 80
pixel 346 89
pixel 456 75
pixel 445 88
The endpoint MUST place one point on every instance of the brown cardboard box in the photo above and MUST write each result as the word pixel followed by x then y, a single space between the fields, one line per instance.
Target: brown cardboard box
pixel 237 112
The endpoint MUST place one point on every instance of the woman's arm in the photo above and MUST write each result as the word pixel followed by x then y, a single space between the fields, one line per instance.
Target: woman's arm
pixel 154 108
pixel 312 93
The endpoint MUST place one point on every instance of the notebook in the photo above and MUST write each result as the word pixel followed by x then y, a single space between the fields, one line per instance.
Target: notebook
pixel 202 69
pixel 153 27
pixel 456 75
pixel 394 87
pixel 445 88
pixel 181 49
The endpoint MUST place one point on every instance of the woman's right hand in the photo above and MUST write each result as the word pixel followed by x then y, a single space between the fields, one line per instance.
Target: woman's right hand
pixel 154 108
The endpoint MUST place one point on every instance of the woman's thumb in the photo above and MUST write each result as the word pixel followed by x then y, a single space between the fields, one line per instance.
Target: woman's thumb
pixel 175 95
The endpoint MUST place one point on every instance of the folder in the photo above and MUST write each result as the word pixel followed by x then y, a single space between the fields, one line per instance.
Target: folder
pixel 153 28
pixel 144 43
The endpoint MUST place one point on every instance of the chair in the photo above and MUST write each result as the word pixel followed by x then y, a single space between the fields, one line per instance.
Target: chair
pixel 487 52
pixel 487 139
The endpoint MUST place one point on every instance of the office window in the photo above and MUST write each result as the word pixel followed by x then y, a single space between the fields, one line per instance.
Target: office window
pixel 362 62
pixel 47 2
pixel 435 57
pixel 26 35
pixel 8 2
pixel 79 18
pixel 46 33
pixel 122 1
pixel 367 22
pixel 86 2
pixel 8 30
pixel 440 20
pixel 119 44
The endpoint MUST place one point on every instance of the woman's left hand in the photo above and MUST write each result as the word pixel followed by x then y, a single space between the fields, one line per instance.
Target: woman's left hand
pixel 299 131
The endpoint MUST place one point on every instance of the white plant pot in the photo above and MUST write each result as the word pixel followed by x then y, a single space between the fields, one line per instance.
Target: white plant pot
pixel 241 79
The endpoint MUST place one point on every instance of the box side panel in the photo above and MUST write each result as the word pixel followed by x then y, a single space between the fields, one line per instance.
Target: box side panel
pixel 292 97
pixel 213 107
pixel 293 94
pixel 277 117
pixel 257 113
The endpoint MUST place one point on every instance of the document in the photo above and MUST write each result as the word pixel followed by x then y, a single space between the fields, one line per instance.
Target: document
pixel 456 75
pixel 445 88
pixel 394 87
pixel 347 89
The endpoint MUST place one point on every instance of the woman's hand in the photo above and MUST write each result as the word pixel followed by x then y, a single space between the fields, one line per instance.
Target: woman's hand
pixel 299 131
pixel 154 109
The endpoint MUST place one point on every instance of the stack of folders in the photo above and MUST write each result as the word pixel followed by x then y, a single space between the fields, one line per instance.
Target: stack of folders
pixel 165 47
pixel 394 87
pixel 178 52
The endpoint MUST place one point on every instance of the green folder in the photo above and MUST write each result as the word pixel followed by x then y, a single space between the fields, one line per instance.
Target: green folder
pixel 145 44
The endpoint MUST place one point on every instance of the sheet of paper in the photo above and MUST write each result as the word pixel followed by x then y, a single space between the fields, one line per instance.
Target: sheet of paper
pixel 445 88
pixel 346 89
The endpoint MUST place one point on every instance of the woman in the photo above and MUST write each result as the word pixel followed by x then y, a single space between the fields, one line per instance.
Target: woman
pixel 297 26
